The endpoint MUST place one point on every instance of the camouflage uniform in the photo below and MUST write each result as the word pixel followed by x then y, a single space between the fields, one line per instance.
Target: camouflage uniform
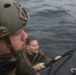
pixel 16 66
pixel 36 58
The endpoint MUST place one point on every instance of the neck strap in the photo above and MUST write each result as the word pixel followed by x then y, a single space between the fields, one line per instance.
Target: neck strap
pixel 9 45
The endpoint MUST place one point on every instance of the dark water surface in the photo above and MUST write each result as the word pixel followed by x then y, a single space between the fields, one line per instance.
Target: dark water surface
pixel 53 23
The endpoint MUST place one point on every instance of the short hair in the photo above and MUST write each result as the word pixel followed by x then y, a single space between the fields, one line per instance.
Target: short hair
pixel 29 39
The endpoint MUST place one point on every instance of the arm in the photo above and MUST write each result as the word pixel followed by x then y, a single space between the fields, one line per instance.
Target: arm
pixel 25 68
pixel 39 63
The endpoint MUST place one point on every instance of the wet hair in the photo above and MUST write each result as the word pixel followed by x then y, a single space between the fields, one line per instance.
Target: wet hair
pixel 29 39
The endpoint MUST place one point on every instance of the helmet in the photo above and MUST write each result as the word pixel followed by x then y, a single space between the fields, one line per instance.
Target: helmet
pixel 12 17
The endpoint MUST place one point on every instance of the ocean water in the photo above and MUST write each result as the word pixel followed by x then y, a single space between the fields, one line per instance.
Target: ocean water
pixel 53 23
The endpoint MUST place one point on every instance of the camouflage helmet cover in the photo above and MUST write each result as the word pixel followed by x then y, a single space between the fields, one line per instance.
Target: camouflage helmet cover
pixel 12 17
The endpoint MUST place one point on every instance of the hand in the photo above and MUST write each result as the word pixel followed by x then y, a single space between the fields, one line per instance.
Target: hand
pixel 39 66
pixel 57 57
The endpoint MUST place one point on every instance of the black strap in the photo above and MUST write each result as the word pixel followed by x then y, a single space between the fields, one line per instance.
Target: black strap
pixel 6 38
pixel 36 57
pixel 70 53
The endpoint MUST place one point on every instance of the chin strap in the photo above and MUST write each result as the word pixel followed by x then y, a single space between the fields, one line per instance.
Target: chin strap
pixel 9 45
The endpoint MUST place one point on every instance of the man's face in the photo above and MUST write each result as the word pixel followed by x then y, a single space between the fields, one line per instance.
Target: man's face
pixel 17 40
pixel 33 47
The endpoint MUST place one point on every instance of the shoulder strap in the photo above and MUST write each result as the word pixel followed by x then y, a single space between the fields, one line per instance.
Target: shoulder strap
pixel 36 57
